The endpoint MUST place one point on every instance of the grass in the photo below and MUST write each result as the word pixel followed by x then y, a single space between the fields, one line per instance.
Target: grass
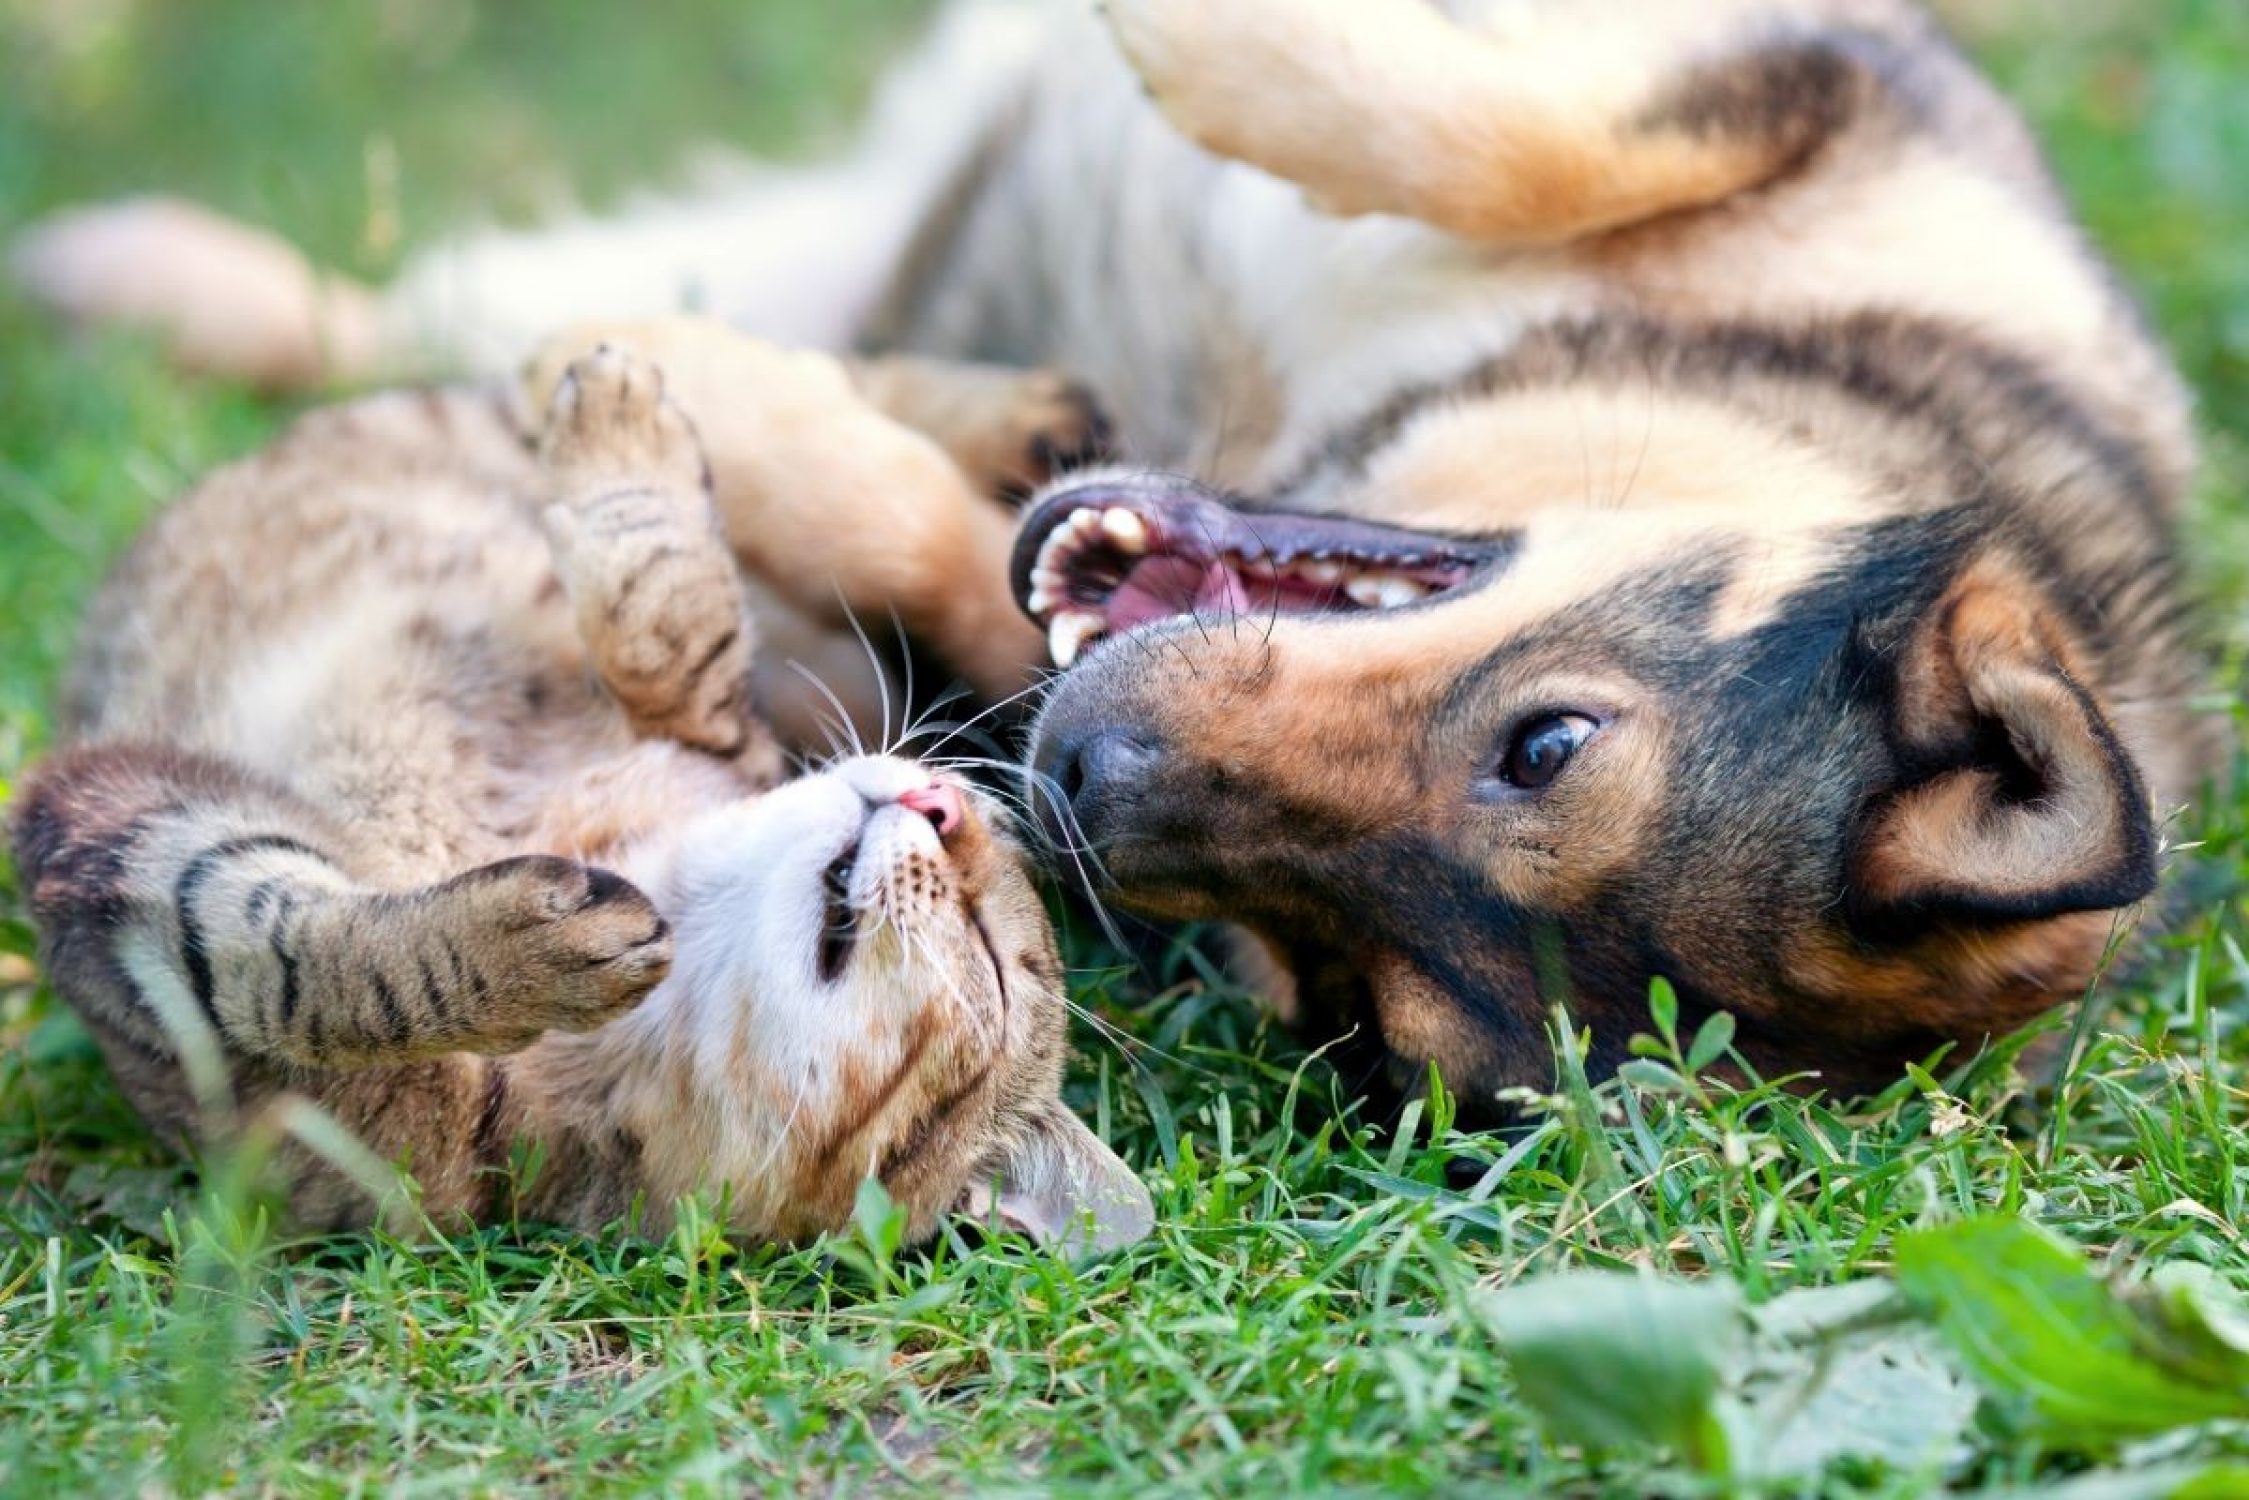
pixel 1309 1316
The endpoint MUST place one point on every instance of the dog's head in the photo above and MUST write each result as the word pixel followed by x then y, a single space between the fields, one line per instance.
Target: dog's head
pixel 1840 771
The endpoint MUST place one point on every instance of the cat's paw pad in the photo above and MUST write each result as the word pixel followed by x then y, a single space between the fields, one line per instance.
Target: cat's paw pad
pixel 610 427
pixel 564 946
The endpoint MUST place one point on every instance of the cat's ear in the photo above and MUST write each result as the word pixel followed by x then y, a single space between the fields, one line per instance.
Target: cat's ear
pixel 1064 1188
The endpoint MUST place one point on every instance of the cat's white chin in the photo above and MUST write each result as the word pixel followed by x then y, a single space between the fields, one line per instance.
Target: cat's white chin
pixel 784 1016
pixel 818 907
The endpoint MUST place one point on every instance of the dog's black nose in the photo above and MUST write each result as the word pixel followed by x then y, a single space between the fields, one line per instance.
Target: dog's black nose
pixel 1089 775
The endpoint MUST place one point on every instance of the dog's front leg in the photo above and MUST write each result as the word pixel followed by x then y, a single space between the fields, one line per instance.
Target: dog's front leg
pixel 1572 121
pixel 1009 430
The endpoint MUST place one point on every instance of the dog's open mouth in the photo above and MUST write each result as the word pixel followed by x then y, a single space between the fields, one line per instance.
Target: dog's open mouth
pixel 1100 559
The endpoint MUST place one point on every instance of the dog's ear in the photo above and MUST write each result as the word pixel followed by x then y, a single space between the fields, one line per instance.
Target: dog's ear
pixel 2022 802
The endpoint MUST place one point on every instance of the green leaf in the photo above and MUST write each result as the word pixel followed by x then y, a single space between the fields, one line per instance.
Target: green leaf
pixel 1615 1361
pixel 1711 1042
pixel 1845 1372
pixel 2218 1482
pixel 1652 1077
pixel 2194 1326
pixel 2165 1482
pixel 1663 1007
pixel 881 1223
pixel 1894 1396
pixel 2092 1366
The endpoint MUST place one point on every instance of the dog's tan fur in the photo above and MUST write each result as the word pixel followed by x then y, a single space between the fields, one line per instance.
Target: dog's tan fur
pixel 349 749
pixel 1829 474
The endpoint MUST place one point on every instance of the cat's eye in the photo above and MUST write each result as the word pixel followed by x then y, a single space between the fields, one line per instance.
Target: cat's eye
pixel 1542 746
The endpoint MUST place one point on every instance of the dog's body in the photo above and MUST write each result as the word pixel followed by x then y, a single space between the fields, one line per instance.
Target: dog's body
pixel 1735 419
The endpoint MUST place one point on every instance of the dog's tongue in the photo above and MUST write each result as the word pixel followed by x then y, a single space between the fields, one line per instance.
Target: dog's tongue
pixel 1220 592
pixel 1162 587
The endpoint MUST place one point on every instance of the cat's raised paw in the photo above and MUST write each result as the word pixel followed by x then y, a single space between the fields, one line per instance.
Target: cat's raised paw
pixel 610 428
pixel 559 945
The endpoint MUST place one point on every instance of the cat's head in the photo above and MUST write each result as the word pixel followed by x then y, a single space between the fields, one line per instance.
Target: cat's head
pixel 866 984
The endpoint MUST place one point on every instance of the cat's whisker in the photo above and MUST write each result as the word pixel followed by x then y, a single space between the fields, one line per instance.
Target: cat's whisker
pixel 925 719
pixel 875 663
pixel 906 692
pixel 1038 685
pixel 843 721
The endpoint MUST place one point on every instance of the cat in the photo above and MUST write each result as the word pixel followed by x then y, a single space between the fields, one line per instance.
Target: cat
pixel 412 767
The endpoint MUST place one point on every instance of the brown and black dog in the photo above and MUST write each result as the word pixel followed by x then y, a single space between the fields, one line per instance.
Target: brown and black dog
pixel 1673 493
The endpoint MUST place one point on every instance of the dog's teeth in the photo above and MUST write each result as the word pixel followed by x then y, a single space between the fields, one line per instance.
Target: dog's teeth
pixel 1086 523
pixel 1062 640
pixel 1320 571
pixel 1041 599
pixel 1054 551
pixel 1127 530
pixel 1377 590
pixel 1072 631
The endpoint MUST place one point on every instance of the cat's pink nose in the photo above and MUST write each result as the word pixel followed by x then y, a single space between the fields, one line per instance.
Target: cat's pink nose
pixel 940 803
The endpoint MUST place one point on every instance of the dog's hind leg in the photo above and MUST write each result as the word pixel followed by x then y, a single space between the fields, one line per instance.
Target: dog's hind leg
pixel 1009 430
pixel 801 255
pixel 1558 123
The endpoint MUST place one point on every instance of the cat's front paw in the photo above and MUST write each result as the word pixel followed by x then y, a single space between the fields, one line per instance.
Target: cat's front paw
pixel 554 945
pixel 611 429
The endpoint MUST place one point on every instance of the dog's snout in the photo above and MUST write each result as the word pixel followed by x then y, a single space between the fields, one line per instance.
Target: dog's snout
pixel 1093 773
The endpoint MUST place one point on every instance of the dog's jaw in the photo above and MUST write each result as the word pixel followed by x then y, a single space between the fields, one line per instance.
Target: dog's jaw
pixel 1106 555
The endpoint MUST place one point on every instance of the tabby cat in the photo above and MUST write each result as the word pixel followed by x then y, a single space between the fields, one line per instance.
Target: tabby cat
pixel 411 767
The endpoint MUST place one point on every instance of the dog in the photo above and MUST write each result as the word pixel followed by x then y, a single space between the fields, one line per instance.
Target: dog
pixel 1615 491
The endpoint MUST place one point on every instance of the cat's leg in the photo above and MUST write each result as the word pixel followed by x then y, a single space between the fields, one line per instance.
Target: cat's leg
pixel 841 510
pixel 176 894
pixel 1527 125
pixel 639 546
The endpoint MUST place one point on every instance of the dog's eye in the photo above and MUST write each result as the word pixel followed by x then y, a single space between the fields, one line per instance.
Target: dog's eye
pixel 1542 747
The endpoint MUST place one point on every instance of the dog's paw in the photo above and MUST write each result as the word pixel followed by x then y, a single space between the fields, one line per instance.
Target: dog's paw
pixel 225 299
pixel 1057 425
pixel 557 945
pixel 1181 51
pixel 611 428
pixel 1310 91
